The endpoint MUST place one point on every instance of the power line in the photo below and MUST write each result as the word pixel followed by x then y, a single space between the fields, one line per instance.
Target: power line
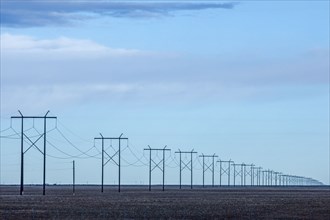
pixel 268 178
pixel 67 140
pixel 73 133
pixel 5 129
pixel 138 159
pixel 70 156
pixel 74 146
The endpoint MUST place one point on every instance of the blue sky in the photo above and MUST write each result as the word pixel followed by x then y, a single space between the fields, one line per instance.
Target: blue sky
pixel 246 80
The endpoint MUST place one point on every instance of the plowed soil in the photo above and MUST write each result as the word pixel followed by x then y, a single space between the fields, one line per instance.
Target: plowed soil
pixel 136 202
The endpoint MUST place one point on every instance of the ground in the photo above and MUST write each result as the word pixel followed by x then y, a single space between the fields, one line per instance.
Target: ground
pixel 136 202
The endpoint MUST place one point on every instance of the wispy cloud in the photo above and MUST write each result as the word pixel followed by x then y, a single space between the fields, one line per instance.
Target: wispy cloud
pixel 44 13
pixel 64 71
pixel 27 44
pixel 72 59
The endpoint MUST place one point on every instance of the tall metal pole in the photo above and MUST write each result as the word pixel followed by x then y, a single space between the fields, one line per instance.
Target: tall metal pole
pixel 213 171
pixel 180 168
pixel 280 179
pixel 44 177
pixel 258 176
pixel 22 156
pixel 220 172
pixel 234 174
pixel 287 180
pixel 229 172
pixel 191 170
pixel 263 177
pixel 119 164
pixel 164 167
pixel 242 175
pixel 149 170
pixel 252 174
pixel 203 172
pixel 275 178
pixel 102 163
pixel 73 177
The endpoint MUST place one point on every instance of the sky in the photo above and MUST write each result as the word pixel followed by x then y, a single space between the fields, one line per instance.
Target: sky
pixel 245 80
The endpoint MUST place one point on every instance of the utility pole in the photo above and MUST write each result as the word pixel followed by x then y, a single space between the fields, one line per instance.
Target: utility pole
pixel 252 174
pixel 73 178
pixel 255 175
pixel 276 177
pixel 156 165
pixel 111 157
pixel 238 172
pixel 280 179
pixel 243 167
pixel 234 177
pixel 33 144
pixel 258 169
pixel 186 165
pixel 263 177
pixel 255 179
pixel 225 170
pixel 248 172
pixel 208 167
pixel 271 177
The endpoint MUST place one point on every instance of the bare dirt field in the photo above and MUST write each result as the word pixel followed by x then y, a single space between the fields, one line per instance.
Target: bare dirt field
pixel 136 202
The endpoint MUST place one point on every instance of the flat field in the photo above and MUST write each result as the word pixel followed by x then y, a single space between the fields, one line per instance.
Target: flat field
pixel 136 202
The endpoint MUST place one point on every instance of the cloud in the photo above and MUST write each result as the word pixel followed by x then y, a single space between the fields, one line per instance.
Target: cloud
pixel 43 13
pixel 64 60
pixel 53 94
pixel 66 71
pixel 27 44
pixel 56 95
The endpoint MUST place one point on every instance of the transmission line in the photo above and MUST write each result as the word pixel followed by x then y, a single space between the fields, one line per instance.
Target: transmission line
pixel 74 146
